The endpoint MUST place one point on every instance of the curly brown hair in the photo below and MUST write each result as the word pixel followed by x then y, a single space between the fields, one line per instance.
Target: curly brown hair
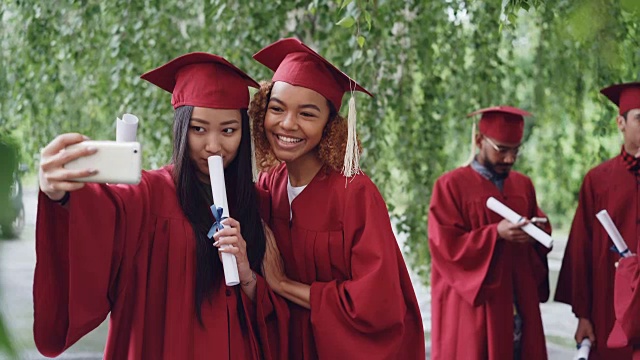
pixel 332 145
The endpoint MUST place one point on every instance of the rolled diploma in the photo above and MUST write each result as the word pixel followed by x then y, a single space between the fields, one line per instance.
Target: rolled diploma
pixel 126 128
pixel 219 191
pixel 583 350
pixel 614 234
pixel 534 231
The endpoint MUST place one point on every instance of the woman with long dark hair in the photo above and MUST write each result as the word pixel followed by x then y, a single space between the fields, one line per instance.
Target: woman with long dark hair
pixel 141 252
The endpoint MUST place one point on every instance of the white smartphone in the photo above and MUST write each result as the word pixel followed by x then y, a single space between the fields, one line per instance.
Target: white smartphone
pixel 116 162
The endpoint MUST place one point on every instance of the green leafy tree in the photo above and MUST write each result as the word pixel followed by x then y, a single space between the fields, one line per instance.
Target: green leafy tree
pixel 75 66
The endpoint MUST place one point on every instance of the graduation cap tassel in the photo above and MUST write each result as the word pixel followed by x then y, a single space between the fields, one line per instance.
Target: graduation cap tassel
pixel 351 165
pixel 473 145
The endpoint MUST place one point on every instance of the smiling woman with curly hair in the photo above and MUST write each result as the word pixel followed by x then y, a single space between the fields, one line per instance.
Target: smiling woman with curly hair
pixel 332 253
pixel 332 146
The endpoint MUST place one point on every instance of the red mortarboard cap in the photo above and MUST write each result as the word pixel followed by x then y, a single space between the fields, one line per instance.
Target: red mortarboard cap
pixel 626 96
pixel 503 123
pixel 295 63
pixel 204 80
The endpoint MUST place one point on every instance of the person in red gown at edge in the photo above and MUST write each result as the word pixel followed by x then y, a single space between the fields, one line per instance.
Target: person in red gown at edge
pixel 586 280
pixel 335 257
pixel 488 276
pixel 141 252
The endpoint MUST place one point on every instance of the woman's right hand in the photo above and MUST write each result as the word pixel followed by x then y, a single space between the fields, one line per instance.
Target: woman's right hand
pixel 54 179
pixel 272 264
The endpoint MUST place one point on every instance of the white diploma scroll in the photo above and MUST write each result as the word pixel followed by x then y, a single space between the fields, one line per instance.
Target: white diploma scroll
pixel 614 234
pixel 219 191
pixel 583 350
pixel 126 128
pixel 533 231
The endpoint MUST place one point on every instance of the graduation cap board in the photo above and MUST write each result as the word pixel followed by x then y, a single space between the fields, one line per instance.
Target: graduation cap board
pixel 626 96
pixel 502 123
pixel 203 80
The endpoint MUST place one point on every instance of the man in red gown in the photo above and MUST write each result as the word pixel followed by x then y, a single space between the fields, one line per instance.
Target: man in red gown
pixel 588 269
pixel 626 330
pixel 488 275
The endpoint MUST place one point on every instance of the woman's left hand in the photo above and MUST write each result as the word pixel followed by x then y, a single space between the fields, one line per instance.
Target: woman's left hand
pixel 232 236
pixel 273 271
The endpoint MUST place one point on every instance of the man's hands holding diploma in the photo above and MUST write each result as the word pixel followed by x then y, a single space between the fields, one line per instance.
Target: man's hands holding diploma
pixel 513 232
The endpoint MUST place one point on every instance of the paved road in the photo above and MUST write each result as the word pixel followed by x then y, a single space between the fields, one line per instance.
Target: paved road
pixel 17 262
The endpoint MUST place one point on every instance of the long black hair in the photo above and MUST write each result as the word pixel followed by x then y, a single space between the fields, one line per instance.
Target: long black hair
pixel 195 199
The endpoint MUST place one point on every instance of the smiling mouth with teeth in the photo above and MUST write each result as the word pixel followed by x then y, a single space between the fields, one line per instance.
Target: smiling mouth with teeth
pixel 289 140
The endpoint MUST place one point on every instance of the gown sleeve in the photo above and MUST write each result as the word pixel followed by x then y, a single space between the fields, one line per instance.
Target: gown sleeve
pixel 80 256
pixel 626 329
pixel 269 320
pixel 462 255
pixel 575 275
pixel 264 196
pixel 366 315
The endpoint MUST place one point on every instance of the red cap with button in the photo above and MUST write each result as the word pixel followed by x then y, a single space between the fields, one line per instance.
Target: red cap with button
pixel 626 96
pixel 502 123
pixel 203 80
pixel 297 64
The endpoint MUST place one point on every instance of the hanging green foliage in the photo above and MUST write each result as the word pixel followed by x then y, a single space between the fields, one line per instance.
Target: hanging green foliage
pixel 75 66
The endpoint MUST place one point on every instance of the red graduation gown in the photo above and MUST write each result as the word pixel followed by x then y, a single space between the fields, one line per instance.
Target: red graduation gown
pixel 340 242
pixel 475 275
pixel 130 251
pixel 587 275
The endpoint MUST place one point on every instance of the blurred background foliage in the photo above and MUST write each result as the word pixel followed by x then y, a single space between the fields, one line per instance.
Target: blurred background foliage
pixel 74 65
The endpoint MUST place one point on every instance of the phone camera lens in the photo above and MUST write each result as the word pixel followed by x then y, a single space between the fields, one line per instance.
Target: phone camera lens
pixel 135 151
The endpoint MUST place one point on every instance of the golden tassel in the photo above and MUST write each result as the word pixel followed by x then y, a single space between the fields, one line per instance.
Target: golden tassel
pixel 473 145
pixel 351 165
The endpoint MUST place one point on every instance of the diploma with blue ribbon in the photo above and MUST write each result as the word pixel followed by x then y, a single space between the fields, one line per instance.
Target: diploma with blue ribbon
pixel 220 211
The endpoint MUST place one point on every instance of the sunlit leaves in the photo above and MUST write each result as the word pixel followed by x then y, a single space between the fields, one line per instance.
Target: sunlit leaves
pixel 345 3
pixel 346 22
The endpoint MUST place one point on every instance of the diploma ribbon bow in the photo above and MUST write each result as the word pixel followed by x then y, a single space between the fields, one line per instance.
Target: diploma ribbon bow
pixel 217 225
